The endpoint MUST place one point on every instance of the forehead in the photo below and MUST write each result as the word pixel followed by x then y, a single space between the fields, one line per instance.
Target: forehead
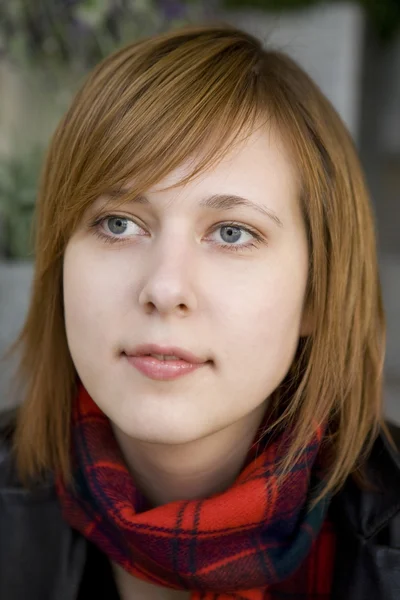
pixel 260 159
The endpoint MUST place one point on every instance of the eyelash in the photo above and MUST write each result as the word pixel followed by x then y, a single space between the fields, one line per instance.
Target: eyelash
pixel 257 238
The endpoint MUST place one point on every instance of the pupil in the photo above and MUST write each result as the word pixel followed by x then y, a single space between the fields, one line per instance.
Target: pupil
pixel 117 225
pixel 230 234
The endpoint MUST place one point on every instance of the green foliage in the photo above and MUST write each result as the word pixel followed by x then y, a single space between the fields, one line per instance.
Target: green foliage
pixel 81 32
pixel 18 188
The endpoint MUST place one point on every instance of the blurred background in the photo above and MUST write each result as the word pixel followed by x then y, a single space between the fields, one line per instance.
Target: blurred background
pixel 351 49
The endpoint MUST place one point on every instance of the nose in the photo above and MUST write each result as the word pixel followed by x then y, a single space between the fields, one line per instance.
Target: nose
pixel 168 283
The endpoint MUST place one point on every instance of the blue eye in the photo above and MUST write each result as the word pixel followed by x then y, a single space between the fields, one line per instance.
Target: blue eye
pixel 233 236
pixel 115 228
pixel 230 234
pixel 117 225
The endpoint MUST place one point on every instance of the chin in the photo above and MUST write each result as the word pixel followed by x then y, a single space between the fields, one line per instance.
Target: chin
pixel 161 430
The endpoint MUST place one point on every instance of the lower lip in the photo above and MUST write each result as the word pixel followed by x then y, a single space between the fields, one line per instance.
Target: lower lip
pixel 163 370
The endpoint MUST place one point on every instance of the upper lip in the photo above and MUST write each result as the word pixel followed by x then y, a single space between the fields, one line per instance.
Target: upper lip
pixel 181 353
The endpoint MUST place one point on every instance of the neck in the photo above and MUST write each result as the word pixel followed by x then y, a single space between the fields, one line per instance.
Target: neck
pixel 195 470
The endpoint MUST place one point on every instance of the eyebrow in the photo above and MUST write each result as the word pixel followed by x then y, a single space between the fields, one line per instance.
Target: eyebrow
pixel 229 201
pixel 216 201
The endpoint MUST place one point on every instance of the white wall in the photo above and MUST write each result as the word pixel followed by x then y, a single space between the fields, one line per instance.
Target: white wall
pixel 327 40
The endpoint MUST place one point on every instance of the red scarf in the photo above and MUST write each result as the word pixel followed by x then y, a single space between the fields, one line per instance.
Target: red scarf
pixel 254 541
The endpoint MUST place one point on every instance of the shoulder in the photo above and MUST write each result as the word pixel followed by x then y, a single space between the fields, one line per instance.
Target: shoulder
pixel 40 500
pixel 367 524
pixel 367 507
pixel 10 485
pixel 40 555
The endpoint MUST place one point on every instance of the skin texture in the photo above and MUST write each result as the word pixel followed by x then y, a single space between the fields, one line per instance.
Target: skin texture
pixel 169 280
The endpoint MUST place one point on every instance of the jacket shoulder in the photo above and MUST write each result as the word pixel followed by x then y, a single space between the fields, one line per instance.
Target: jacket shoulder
pixel 367 508
pixel 367 524
pixel 40 555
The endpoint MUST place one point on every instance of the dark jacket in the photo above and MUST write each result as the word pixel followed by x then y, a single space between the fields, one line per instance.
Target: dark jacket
pixel 42 558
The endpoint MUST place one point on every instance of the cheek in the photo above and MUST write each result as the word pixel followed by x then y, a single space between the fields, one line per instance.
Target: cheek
pixel 263 317
pixel 90 308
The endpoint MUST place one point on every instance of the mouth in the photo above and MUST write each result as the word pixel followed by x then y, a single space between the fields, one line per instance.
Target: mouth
pixel 164 362
pixel 167 353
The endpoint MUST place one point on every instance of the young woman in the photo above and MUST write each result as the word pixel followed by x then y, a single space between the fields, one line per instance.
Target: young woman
pixel 202 358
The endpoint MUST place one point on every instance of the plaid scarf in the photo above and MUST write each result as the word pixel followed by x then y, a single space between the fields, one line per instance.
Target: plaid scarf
pixel 254 541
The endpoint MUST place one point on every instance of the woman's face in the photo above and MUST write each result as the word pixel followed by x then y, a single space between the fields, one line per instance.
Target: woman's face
pixel 216 268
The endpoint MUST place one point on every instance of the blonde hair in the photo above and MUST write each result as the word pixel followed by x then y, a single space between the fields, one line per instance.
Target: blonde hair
pixel 143 111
